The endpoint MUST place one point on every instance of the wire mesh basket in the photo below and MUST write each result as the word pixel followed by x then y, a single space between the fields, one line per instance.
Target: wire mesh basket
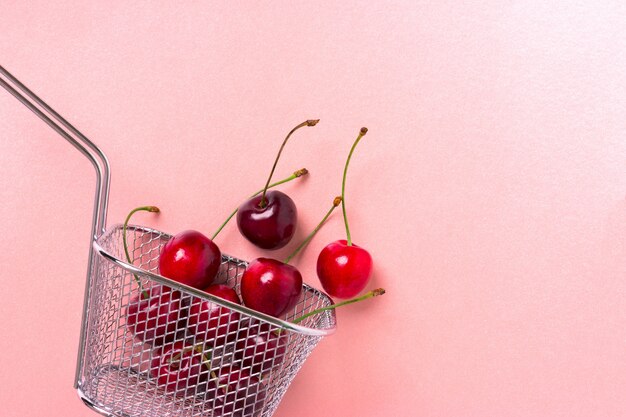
pixel 150 346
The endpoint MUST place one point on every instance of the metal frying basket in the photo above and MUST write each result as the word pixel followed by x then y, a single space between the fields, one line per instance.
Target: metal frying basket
pixel 138 326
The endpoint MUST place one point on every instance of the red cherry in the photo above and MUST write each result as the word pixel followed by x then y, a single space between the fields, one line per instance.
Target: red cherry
pixel 271 226
pixel 209 321
pixel 223 291
pixel 260 348
pixel 180 368
pixel 344 270
pixel 342 267
pixel 191 259
pixel 270 286
pixel 158 318
pixel 238 394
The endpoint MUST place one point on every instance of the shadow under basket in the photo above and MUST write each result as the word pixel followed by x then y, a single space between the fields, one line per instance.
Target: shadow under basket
pixel 123 347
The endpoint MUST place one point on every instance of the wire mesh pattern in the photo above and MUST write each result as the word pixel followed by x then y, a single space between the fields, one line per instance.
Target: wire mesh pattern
pixel 160 350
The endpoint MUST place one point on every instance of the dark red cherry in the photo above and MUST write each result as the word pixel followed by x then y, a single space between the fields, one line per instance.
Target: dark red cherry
pixel 180 368
pixel 260 348
pixel 237 393
pixel 344 270
pixel 269 220
pixel 270 286
pixel 268 226
pixel 191 259
pixel 157 318
pixel 211 322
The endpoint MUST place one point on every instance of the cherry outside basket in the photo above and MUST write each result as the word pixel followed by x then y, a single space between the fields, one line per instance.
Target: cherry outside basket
pixel 117 369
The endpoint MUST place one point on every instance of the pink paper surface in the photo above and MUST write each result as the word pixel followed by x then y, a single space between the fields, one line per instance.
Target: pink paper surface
pixel 490 189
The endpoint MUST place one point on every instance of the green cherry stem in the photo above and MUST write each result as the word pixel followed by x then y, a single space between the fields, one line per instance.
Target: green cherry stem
pixel 299 173
pixel 151 209
pixel 373 293
pixel 206 359
pixel 343 185
pixel 198 348
pixel 336 202
pixel 262 203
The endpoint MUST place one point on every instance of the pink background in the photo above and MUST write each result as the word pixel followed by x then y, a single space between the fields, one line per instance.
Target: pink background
pixel 491 189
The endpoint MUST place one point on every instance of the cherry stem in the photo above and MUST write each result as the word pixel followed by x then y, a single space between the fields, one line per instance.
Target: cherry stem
pixel 336 202
pixel 199 348
pixel 297 174
pixel 206 359
pixel 151 209
pixel 373 293
pixel 343 185
pixel 262 203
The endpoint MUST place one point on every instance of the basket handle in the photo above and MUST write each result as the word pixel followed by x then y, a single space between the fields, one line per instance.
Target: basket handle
pixel 73 136
pixel 103 180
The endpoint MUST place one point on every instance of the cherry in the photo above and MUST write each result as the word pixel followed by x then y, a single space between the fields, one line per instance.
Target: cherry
pixel 344 269
pixel 269 221
pixel 273 287
pixel 297 174
pixel 238 393
pixel 181 368
pixel 270 286
pixel 209 321
pixel 272 225
pixel 191 259
pixel 259 348
pixel 158 319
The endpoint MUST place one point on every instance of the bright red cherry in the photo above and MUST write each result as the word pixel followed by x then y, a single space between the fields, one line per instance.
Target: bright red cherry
pixel 157 318
pixel 180 368
pixel 269 221
pixel 191 259
pixel 270 286
pixel 211 322
pixel 270 226
pixel 344 270
pixel 237 393
pixel 342 267
pixel 260 348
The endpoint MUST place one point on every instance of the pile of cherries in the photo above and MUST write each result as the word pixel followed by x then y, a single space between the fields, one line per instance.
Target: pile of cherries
pixel 187 337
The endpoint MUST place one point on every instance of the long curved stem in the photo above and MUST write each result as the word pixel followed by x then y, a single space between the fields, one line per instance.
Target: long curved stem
pixel 152 209
pixel 262 203
pixel 343 185
pixel 336 202
pixel 373 293
pixel 297 174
